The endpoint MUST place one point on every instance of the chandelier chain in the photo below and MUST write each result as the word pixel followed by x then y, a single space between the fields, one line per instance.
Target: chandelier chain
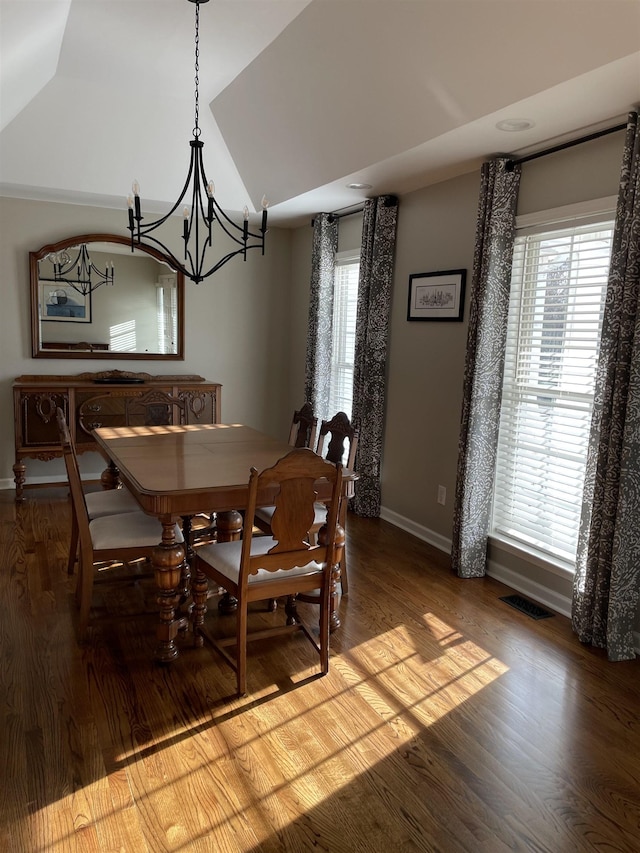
pixel 196 129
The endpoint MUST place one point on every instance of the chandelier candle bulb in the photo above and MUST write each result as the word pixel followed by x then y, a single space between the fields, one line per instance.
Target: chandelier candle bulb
pixel 210 190
pixel 135 186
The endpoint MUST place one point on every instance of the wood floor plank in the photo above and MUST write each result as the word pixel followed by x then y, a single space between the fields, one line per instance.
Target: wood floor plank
pixel 448 721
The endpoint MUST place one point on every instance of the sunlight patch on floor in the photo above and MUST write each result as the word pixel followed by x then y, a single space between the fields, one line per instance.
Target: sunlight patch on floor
pixel 294 750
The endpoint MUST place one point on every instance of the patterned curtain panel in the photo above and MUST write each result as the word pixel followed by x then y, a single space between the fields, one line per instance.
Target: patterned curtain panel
pixel 318 361
pixel 482 384
pixel 372 327
pixel 607 579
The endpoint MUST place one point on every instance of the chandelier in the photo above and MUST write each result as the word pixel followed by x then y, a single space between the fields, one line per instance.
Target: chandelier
pixel 204 213
pixel 78 272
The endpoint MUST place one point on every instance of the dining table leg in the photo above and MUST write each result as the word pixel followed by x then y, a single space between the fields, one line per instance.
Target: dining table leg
pixel 110 477
pixel 167 560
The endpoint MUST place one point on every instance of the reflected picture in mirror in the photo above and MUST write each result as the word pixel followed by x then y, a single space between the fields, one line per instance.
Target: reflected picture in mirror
pixel 91 296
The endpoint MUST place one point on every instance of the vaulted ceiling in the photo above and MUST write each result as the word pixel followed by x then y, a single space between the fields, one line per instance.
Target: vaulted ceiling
pixel 298 98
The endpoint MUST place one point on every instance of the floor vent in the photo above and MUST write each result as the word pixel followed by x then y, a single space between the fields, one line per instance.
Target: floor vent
pixel 528 607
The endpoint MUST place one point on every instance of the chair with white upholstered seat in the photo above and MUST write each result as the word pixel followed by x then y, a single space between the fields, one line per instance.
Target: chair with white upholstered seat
pixel 342 442
pixel 282 564
pixel 99 504
pixel 121 538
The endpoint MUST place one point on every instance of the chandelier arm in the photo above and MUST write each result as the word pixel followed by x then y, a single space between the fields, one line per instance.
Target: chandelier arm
pixel 190 272
pixel 153 242
pixel 222 261
pixel 220 215
pixel 143 230
pixel 198 212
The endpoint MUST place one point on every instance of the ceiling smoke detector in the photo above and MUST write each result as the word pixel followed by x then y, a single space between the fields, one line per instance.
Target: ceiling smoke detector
pixel 513 125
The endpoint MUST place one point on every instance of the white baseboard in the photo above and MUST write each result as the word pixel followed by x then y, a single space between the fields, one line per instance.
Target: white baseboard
pixel 519 583
pixel 424 533
pixel 538 592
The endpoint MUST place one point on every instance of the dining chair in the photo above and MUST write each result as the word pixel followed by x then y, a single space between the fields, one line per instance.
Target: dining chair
pixel 155 408
pixel 99 504
pixel 120 538
pixel 304 426
pixel 261 567
pixel 341 439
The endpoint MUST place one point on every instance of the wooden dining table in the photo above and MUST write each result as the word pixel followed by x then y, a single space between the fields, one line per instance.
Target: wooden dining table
pixel 177 472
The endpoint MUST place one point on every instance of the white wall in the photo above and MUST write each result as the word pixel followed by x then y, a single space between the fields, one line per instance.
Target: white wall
pixel 236 325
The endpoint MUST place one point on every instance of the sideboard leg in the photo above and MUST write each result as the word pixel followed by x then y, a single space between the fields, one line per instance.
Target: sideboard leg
pixel 19 476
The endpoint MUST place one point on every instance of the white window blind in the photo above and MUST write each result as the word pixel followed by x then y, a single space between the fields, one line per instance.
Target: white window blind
pixel 555 319
pixel 345 302
pixel 167 313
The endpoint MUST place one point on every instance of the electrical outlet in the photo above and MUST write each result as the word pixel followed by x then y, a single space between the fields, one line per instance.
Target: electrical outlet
pixel 442 495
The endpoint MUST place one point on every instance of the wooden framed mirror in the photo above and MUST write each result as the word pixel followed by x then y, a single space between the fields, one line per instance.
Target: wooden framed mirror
pixel 135 311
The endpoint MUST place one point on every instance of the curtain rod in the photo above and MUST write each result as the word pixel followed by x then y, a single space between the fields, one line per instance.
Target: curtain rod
pixel 388 200
pixel 349 211
pixel 516 161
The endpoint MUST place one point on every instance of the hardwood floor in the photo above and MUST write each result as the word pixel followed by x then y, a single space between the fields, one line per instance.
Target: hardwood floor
pixel 448 721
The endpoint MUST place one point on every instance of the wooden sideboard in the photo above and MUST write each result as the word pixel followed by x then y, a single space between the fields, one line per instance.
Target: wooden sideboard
pixel 106 398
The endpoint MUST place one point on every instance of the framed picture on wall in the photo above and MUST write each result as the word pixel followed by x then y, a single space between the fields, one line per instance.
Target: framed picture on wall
pixel 63 304
pixel 436 295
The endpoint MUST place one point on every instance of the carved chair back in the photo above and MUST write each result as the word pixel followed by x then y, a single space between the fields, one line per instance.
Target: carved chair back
pixel 304 425
pixel 343 440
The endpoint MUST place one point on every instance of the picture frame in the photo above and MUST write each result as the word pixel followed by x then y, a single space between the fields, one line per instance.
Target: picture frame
pixel 437 295
pixel 60 303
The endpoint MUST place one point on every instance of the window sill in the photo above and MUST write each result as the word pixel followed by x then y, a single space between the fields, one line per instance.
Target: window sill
pixel 557 567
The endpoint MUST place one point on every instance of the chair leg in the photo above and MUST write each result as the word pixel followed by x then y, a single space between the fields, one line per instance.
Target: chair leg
pixel 344 583
pixel 73 545
pixel 291 610
pixel 241 648
pixel 324 628
pixel 84 594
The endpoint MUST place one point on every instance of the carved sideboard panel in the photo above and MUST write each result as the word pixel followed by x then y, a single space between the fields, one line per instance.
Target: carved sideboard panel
pixel 107 398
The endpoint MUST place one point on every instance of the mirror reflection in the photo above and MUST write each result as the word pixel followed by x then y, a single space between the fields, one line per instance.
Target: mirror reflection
pixel 93 297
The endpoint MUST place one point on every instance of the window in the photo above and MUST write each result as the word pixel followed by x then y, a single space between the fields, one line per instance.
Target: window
pixel 555 318
pixel 345 301
pixel 167 313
